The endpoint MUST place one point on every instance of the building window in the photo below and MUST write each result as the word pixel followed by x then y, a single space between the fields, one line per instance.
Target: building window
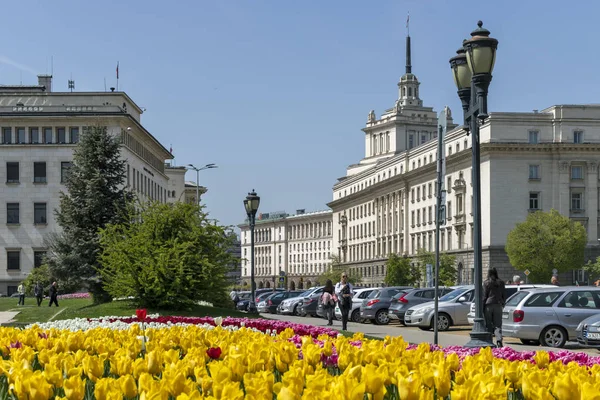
pixel 411 141
pixel 65 166
pixel 12 172
pixel 75 135
pixel 449 185
pixel 12 213
pixel 576 172
pixel 534 172
pixel 578 137
pixel 62 135
pixel 39 213
pixel 38 258
pixel 534 137
pixel 21 135
pixel 6 135
pixel 48 135
pixel 34 135
pixel 534 201
pixel 576 201
pixel 39 172
pixel 13 259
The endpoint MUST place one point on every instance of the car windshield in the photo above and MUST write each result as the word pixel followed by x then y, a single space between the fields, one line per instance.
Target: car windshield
pixel 452 295
pixel 374 294
pixel 516 298
pixel 305 294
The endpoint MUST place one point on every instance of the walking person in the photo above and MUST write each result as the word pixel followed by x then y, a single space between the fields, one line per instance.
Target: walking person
pixel 21 291
pixel 234 297
pixel 38 291
pixel 343 291
pixel 328 301
pixel 493 303
pixel 53 294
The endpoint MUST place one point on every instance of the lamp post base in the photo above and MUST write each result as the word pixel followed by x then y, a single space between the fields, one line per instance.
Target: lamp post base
pixel 480 337
pixel 252 308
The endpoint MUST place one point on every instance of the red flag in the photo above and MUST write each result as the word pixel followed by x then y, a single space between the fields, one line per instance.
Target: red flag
pixel 117 70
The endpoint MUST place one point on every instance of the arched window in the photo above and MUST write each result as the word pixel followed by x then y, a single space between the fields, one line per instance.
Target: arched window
pixel 403 92
pixel 409 91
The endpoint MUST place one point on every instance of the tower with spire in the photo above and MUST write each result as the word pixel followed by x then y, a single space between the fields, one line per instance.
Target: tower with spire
pixel 408 87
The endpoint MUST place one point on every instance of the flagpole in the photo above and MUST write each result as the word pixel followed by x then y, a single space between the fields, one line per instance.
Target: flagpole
pixel 117 76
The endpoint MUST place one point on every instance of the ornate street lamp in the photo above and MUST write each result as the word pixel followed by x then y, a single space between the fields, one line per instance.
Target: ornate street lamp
pixel 251 204
pixel 472 70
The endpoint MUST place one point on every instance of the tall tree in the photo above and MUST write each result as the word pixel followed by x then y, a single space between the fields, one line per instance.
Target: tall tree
pixel 448 273
pixel 546 241
pixel 95 197
pixel 400 272
pixel 171 258
pixel 334 272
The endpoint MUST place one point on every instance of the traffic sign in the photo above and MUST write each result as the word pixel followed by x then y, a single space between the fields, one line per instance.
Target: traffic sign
pixel 281 279
pixel 526 272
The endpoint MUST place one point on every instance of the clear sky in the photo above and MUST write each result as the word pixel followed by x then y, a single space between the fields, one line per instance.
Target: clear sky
pixel 276 92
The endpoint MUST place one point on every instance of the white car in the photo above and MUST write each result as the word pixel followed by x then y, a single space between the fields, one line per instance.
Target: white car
pixel 358 296
pixel 510 290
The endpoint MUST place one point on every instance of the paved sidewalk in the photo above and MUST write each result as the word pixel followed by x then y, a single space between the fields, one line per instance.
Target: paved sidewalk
pixel 7 316
pixel 457 336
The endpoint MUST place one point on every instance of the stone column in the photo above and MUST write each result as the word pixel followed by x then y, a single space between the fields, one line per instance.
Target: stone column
pixel 564 203
pixel 591 206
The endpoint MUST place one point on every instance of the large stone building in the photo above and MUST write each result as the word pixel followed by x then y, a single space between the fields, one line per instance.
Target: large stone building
pixel 290 250
pixel 39 129
pixel 529 161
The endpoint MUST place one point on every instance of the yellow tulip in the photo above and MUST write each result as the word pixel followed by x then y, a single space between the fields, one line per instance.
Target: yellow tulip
pixel 74 388
pixel 93 368
pixel 128 386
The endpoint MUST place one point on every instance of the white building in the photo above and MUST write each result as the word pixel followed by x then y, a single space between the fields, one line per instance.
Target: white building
pixel 529 161
pixel 38 132
pixel 179 189
pixel 295 247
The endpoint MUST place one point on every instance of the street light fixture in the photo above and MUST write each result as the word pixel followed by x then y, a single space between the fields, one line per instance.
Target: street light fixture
pixel 472 70
pixel 251 203
pixel 207 166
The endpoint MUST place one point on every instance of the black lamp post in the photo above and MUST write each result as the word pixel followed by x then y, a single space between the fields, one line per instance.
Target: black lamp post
pixel 472 69
pixel 251 204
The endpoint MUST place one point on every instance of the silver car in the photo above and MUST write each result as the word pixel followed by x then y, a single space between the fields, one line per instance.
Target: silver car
pixel 549 316
pixel 452 310
pixel 588 331
pixel 292 306
pixel 357 299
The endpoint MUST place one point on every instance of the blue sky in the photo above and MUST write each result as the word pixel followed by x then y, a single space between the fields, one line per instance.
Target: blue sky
pixel 276 92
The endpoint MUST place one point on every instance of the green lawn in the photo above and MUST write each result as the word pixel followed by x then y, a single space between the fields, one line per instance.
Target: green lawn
pixel 84 308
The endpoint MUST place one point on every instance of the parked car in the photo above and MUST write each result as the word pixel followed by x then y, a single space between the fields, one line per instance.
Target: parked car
pixel 375 307
pixel 509 291
pixel 292 305
pixel 403 301
pixel 272 301
pixel 308 305
pixel 243 300
pixel 452 310
pixel 588 331
pixel 549 316
pixel 359 295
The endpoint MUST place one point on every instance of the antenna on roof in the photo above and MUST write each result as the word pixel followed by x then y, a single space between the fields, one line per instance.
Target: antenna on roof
pixel 71 83
pixel 51 65
pixel 21 72
pixel 105 84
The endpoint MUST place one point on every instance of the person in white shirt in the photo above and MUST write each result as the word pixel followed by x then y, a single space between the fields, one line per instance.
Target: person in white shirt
pixel 234 297
pixel 344 291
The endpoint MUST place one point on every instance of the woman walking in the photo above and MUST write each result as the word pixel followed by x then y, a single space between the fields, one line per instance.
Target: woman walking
pixel 493 303
pixel 343 291
pixel 328 301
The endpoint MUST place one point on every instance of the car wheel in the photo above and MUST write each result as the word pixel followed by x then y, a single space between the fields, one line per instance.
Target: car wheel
pixel 530 342
pixel 355 317
pixel 295 311
pixel 553 336
pixel 444 322
pixel 382 318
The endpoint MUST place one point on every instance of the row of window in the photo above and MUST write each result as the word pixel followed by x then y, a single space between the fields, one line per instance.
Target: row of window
pixel 13 213
pixel 534 137
pixel 13 258
pixel 35 135
pixel 535 172
pixel 535 200
pixel 39 172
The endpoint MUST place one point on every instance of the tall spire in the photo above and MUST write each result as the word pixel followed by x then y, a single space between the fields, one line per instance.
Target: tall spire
pixel 408 63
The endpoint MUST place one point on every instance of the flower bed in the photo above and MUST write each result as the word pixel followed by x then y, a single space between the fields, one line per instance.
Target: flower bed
pixel 193 359
pixel 74 296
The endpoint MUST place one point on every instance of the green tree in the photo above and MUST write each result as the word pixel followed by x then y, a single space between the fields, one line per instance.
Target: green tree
pixel 171 258
pixel 334 272
pixel 546 241
pixel 593 268
pixel 447 265
pixel 95 197
pixel 400 272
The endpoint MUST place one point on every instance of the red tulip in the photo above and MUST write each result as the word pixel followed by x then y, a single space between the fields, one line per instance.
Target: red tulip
pixel 141 314
pixel 214 353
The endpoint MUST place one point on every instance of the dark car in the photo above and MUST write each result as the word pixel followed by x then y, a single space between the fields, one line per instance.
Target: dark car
pixel 309 304
pixel 245 301
pixel 274 300
pixel 375 307
pixel 403 301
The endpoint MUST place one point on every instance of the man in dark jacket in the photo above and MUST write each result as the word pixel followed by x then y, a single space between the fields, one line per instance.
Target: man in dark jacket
pixel 38 291
pixel 494 298
pixel 53 294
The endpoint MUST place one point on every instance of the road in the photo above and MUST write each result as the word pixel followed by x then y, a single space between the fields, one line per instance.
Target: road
pixel 455 336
